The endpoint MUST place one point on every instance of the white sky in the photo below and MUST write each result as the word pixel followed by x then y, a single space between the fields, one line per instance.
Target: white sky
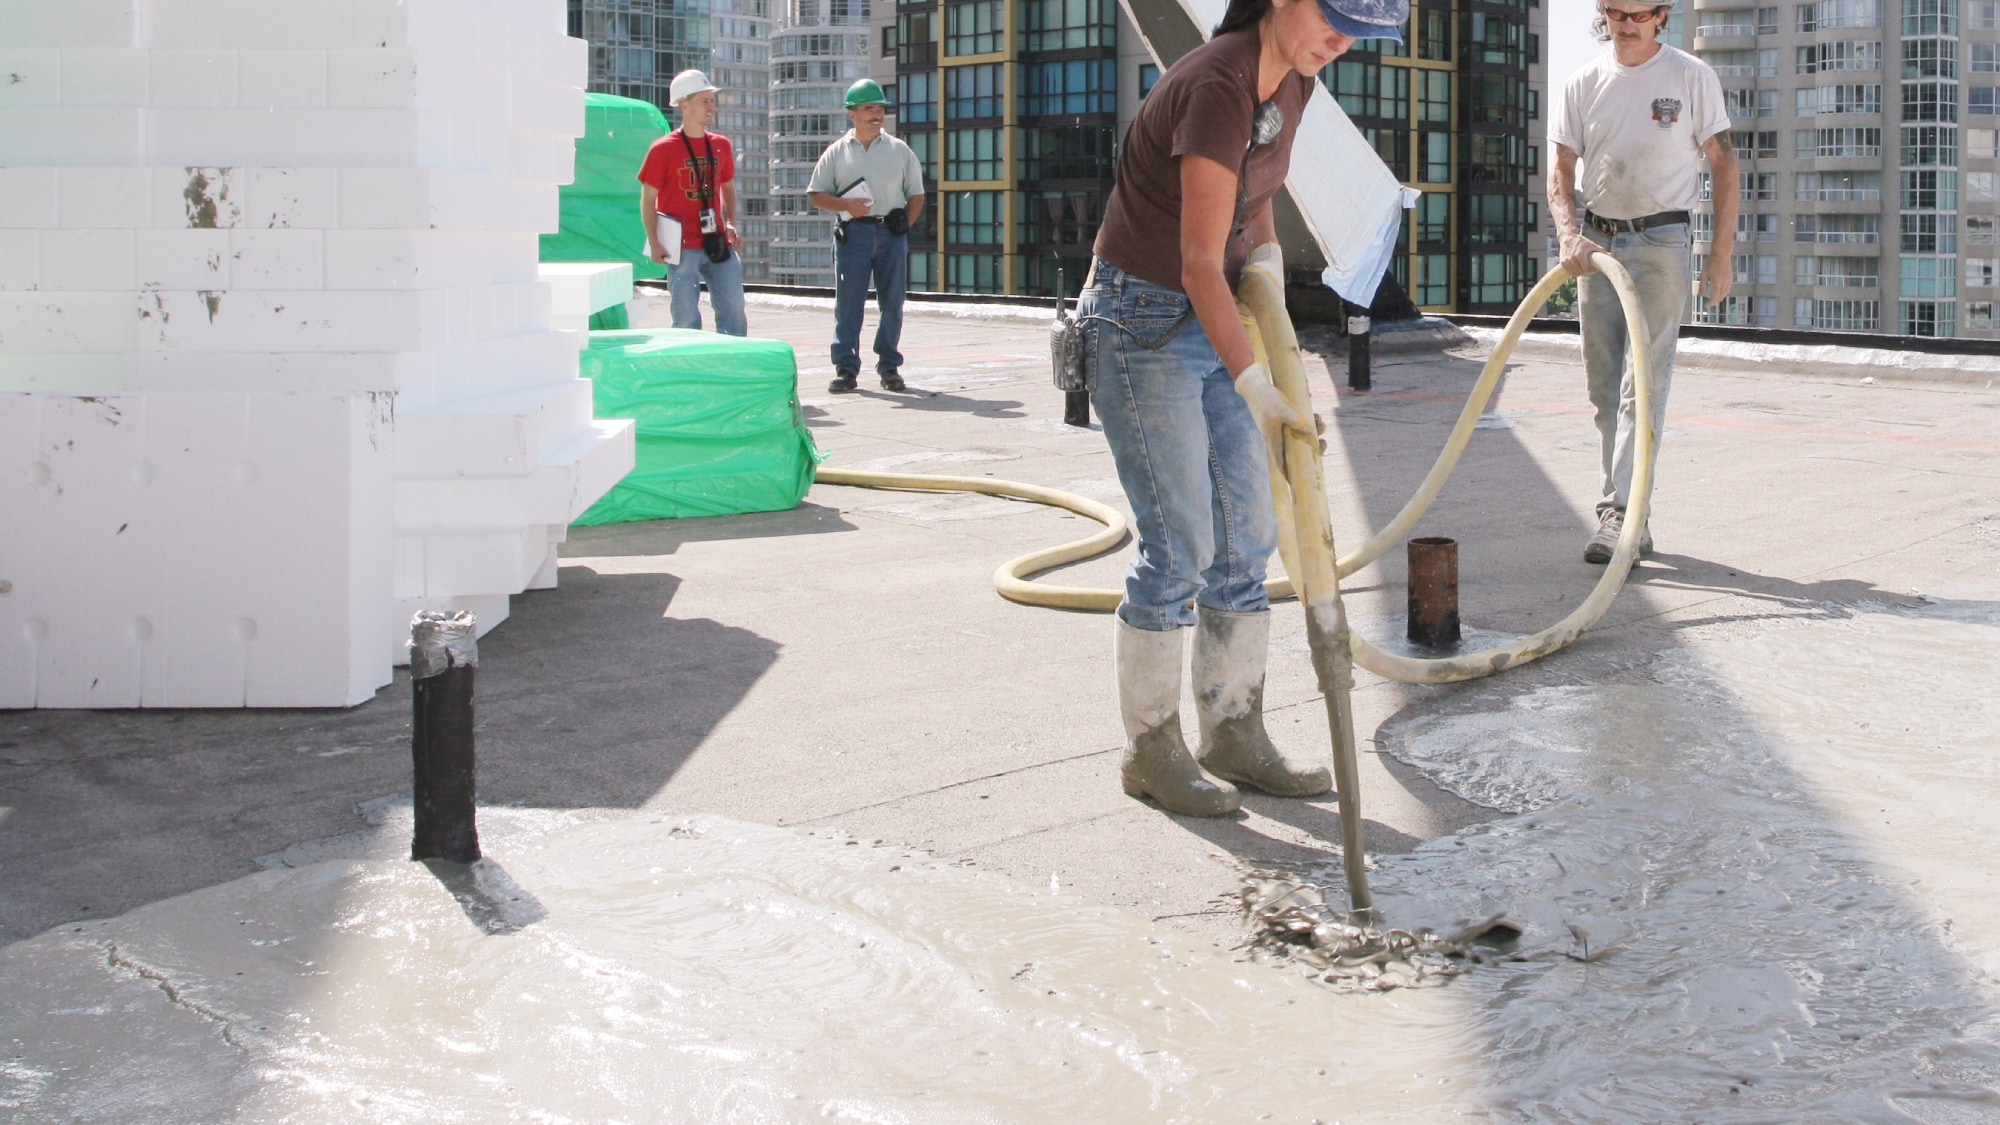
pixel 1570 44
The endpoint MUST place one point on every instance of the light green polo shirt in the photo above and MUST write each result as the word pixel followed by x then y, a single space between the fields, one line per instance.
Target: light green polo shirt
pixel 891 169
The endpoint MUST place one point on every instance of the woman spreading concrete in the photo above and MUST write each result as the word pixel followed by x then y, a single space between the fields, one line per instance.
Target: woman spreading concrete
pixel 1186 409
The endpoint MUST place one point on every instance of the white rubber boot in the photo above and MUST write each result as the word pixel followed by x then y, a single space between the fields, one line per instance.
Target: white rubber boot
pixel 1229 654
pixel 1156 763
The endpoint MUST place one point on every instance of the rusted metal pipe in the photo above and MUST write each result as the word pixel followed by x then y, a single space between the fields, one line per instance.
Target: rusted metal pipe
pixel 1433 592
pixel 443 655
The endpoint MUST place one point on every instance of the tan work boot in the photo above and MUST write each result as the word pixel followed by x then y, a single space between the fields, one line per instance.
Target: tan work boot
pixel 1229 653
pixel 1156 763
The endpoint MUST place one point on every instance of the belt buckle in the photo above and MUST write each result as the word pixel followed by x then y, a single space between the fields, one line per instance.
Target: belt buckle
pixel 1603 225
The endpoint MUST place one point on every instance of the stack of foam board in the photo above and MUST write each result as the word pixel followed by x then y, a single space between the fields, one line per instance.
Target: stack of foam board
pixel 275 365
pixel 581 290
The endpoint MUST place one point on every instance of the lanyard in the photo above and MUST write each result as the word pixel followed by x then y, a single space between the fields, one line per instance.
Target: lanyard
pixel 700 184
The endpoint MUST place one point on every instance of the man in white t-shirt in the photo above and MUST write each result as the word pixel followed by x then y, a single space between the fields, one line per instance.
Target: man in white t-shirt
pixel 1629 134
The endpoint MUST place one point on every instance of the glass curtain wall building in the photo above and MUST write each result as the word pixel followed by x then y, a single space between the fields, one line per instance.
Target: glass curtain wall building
pixel 1456 111
pixel 1012 106
pixel 819 49
pixel 637 46
pixel 740 52
pixel 1866 132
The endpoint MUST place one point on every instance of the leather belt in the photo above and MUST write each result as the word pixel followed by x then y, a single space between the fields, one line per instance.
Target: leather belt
pixel 1605 226
pixel 867 219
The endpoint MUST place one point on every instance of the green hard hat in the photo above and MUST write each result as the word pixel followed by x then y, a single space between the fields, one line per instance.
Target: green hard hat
pixel 865 92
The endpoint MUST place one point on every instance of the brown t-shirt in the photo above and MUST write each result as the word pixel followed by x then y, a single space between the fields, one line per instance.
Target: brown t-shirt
pixel 1203 105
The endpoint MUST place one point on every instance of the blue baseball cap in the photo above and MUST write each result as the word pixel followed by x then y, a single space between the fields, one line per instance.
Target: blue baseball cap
pixel 1367 19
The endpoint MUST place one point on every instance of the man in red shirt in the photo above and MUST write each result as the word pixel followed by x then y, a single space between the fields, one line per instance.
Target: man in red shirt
pixel 689 183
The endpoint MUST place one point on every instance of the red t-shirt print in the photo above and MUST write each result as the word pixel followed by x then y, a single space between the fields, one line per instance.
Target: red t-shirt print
pixel 668 171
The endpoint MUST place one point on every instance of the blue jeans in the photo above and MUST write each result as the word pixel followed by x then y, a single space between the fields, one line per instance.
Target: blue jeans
pixel 725 291
pixel 1662 273
pixel 1188 454
pixel 869 250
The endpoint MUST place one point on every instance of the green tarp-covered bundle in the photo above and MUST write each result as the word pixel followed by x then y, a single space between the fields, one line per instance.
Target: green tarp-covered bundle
pixel 718 423
pixel 600 211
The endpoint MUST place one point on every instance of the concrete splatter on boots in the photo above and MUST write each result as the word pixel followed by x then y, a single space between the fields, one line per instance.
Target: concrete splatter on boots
pixel 1229 654
pixel 1157 763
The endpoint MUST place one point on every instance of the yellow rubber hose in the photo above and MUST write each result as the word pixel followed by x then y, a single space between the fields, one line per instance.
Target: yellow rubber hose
pixel 1287 366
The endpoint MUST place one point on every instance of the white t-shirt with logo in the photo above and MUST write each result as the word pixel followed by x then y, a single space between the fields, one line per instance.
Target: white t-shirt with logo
pixel 1637 131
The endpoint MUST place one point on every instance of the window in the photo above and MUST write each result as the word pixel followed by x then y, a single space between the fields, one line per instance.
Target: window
pixel 1983 15
pixel 974 154
pixel 1739 309
pixel 1836 187
pixel 1850 316
pixel 1074 152
pixel 1979 143
pixel 974 27
pixel 1493 40
pixel 1930 58
pixel 1979 230
pixel 1148 74
pixel 1434 36
pixel 1434 95
pixel 1838 229
pixel 1844 98
pixel 1495 218
pixel 1058 25
pixel 1930 17
pixel 975 273
pixel 1839 142
pixel 1061 218
pixel 1433 280
pixel 1980 58
pixel 1930 145
pixel 1754 269
pixel 889 41
pixel 918 92
pixel 1069 87
pixel 976 218
pixel 1980 188
pixel 974 91
pixel 1979 314
pixel 1743 104
pixel 1928 318
pixel 1743 64
pixel 1436 158
pixel 1753 186
pixel 1929 190
pixel 1756 228
pixel 1433 216
pixel 1755 144
pixel 1393 146
pixel 1979 101
pixel 1930 101
pixel 1839 13
pixel 1726 21
pixel 1926 277
pixel 916 40
pixel 1979 273
pixel 1929 234
pixel 1837 273
pixel 924 146
pixel 1847 54
pixel 1497 279
pixel 1368 89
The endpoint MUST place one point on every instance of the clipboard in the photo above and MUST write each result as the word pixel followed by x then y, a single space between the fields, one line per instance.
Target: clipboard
pixel 668 230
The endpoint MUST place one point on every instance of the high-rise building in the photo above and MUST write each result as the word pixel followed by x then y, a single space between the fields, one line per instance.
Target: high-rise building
pixel 740 63
pixel 1867 145
pixel 819 49
pixel 637 46
pixel 1013 108
pixel 1456 111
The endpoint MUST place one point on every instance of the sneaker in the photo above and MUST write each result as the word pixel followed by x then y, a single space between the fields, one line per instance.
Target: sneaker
pixel 1610 525
pixel 893 381
pixel 843 383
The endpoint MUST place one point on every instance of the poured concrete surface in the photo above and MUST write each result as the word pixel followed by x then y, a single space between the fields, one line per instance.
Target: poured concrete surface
pixel 846 664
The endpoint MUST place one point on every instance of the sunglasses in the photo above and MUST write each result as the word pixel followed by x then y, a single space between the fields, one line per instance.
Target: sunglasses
pixel 1617 15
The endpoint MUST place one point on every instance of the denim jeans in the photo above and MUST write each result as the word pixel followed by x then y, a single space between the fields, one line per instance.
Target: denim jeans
pixel 869 250
pixel 1661 272
pixel 1188 455
pixel 725 291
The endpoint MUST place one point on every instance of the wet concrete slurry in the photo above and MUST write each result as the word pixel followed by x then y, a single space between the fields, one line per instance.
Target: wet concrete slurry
pixel 847 665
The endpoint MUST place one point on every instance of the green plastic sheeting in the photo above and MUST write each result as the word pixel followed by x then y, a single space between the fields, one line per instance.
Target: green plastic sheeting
pixel 600 211
pixel 718 423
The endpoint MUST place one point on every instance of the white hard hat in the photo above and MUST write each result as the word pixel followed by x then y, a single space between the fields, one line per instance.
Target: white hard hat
pixel 687 84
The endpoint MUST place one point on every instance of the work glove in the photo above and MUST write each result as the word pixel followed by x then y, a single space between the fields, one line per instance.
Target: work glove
pixel 1269 261
pixel 1268 407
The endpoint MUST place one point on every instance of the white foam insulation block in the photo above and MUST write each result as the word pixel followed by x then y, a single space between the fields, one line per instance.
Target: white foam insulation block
pixel 277 364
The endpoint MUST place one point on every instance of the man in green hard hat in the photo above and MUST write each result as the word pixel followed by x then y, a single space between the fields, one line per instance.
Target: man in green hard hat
pixel 875 184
